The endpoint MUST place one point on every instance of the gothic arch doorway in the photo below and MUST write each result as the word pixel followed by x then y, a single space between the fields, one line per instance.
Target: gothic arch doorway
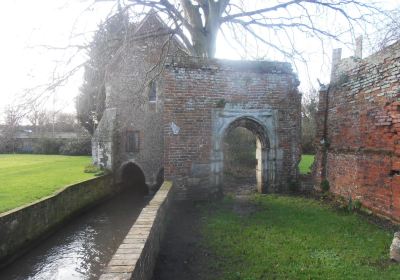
pixel 261 124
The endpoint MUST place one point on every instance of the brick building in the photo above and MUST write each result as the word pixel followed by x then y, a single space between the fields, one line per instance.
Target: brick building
pixel 358 132
pixel 172 116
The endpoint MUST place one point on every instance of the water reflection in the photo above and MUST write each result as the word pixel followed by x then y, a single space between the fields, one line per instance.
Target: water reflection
pixel 81 248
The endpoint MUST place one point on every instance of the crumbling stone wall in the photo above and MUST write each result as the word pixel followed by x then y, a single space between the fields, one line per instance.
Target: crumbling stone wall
pixel 358 131
pixel 205 98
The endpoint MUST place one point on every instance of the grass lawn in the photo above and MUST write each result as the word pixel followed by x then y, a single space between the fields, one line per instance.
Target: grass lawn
pixel 26 178
pixel 305 163
pixel 294 238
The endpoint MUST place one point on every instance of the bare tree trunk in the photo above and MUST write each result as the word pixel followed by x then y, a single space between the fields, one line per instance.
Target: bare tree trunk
pixel 204 28
pixel 204 42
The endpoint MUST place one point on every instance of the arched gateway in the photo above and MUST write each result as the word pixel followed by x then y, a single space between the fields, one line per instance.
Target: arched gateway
pixel 261 124
pixel 178 118
pixel 204 99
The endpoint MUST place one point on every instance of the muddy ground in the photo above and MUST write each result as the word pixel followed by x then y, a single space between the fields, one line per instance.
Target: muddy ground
pixel 183 254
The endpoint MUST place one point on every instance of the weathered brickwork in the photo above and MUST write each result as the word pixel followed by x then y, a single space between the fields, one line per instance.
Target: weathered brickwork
pixel 197 102
pixel 360 155
pixel 194 90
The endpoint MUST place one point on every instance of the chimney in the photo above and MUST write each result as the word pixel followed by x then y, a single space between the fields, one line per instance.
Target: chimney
pixel 359 47
pixel 336 57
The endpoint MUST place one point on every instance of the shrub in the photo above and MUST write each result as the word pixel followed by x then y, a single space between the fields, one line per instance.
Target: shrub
pixel 325 185
pixel 47 146
pixel 353 204
pixel 357 204
pixel 98 171
pixel 77 147
pixel 91 168
pixel 350 205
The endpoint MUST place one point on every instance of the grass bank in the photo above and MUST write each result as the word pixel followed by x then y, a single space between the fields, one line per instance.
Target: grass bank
pixel 306 163
pixel 26 178
pixel 288 237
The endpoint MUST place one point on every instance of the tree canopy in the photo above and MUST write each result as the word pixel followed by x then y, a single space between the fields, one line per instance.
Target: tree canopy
pixel 268 23
pixel 90 102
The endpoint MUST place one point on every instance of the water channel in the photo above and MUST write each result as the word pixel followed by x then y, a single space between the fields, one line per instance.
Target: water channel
pixel 83 246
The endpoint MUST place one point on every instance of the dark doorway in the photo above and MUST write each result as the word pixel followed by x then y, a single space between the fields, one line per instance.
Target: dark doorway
pixel 240 161
pixel 133 179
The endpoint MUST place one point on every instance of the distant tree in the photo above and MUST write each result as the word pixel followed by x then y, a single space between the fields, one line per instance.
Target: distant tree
pixel 240 153
pixel 13 116
pixel 90 102
pixel 309 109
pixel 45 121
pixel 38 117
pixel 65 122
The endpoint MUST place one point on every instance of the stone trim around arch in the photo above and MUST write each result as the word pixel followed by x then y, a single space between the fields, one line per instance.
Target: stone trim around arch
pixel 260 122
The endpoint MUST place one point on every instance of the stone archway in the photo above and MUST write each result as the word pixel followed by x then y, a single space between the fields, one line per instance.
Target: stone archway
pixel 262 124
pixel 132 178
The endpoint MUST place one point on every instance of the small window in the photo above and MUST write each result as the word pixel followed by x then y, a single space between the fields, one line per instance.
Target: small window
pixel 153 92
pixel 132 141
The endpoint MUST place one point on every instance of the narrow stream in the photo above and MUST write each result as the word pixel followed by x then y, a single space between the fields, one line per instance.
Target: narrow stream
pixel 83 247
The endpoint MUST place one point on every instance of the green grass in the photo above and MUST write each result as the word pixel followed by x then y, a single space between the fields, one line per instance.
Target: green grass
pixel 294 238
pixel 305 163
pixel 26 178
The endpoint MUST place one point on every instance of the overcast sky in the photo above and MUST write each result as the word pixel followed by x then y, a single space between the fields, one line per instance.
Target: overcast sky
pixel 26 27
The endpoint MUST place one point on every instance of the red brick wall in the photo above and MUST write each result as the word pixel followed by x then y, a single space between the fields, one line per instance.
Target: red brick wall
pixel 193 87
pixel 363 132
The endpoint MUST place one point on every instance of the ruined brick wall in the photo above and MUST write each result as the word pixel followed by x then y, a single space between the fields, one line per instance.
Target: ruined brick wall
pixel 362 141
pixel 204 99
pixel 194 90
